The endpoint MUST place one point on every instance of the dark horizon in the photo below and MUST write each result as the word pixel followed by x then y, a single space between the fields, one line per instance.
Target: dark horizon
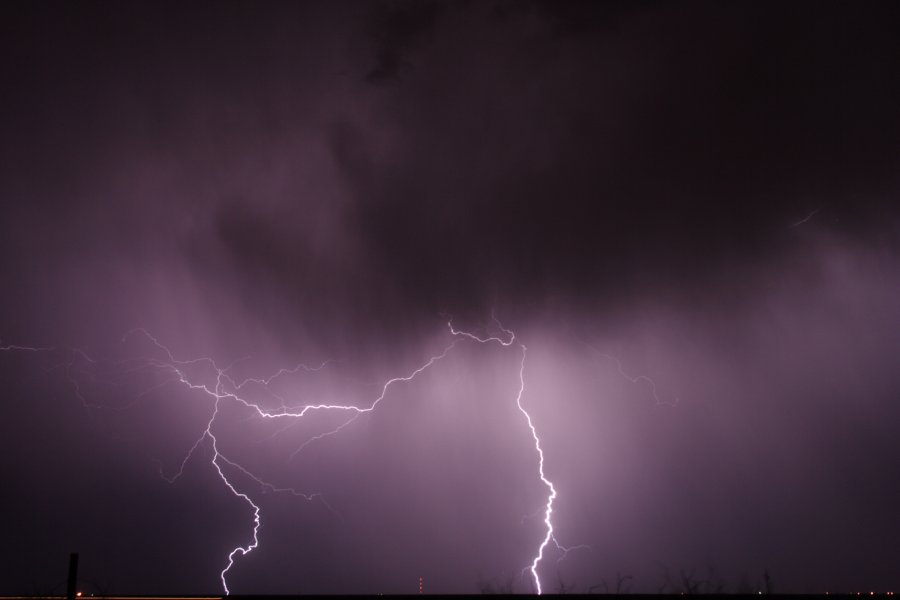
pixel 682 216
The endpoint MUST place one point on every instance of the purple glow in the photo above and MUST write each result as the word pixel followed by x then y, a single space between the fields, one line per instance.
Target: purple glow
pixel 219 393
pixel 229 234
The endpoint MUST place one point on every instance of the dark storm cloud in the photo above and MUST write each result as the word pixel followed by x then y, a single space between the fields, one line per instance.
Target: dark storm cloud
pixel 501 155
pixel 397 29
pixel 681 143
pixel 705 191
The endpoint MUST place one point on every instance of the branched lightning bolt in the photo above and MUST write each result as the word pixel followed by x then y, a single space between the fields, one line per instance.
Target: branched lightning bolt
pixel 566 549
pixel 220 392
pixel 552 496
pixel 548 510
pixel 227 389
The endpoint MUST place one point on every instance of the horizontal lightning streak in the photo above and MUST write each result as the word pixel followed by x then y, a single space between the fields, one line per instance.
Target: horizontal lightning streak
pixel 12 347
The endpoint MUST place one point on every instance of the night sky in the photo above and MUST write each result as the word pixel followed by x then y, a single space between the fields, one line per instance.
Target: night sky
pixel 687 212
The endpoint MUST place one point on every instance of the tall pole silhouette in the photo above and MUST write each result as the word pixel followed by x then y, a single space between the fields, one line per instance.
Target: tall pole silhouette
pixel 73 576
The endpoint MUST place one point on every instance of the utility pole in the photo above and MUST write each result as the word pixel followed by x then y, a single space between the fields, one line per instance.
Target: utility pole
pixel 73 576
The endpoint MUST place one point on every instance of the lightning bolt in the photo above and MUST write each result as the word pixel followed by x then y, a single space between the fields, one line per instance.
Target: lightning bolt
pixel 635 379
pixel 14 347
pixel 227 389
pixel 551 496
pixel 548 513
pixel 809 216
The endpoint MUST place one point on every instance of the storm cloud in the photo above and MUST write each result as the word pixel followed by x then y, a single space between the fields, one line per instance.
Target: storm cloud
pixel 686 212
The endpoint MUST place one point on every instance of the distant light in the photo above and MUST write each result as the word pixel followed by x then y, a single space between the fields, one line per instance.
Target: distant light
pixel 78 594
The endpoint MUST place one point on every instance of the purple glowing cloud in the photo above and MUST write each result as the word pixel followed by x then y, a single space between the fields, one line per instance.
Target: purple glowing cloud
pixel 229 237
